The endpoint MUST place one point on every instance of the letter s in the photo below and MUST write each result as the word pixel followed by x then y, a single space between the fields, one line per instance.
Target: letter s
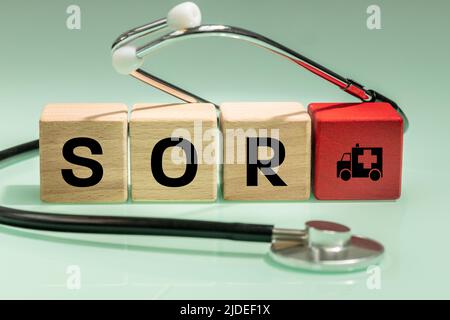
pixel 96 167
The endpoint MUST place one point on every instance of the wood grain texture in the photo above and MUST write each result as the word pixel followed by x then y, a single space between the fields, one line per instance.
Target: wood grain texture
pixel 293 125
pixel 107 124
pixel 150 123
pixel 338 128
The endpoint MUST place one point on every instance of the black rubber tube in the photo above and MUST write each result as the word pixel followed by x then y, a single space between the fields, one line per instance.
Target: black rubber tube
pixel 126 225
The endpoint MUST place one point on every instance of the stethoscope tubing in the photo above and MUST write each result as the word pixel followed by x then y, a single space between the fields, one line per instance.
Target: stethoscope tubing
pixel 125 225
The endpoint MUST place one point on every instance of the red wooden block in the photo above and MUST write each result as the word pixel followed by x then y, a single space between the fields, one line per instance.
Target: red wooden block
pixel 357 151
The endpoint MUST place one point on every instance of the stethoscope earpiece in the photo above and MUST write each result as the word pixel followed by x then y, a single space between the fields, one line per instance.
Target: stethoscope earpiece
pixel 125 60
pixel 185 19
pixel 184 16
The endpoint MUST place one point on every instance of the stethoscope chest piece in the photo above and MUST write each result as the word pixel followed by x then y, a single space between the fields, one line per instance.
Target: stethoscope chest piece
pixel 327 247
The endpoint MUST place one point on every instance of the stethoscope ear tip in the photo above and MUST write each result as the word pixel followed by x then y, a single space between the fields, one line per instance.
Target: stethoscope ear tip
pixel 184 16
pixel 125 60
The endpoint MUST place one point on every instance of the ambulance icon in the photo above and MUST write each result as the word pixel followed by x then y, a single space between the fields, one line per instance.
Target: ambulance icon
pixel 362 162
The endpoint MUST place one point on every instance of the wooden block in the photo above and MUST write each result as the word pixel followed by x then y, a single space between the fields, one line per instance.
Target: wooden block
pixel 358 151
pixel 164 167
pixel 248 178
pixel 83 153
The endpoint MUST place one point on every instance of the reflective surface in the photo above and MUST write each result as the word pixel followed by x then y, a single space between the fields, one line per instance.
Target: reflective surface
pixel 330 247
pixel 74 66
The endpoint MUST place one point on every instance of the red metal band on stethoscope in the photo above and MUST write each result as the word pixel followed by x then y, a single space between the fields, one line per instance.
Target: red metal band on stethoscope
pixel 349 88
pixel 357 92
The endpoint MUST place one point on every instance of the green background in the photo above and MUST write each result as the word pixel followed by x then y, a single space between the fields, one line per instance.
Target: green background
pixel 42 62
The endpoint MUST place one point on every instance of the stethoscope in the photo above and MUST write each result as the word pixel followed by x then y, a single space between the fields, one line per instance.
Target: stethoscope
pixel 320 246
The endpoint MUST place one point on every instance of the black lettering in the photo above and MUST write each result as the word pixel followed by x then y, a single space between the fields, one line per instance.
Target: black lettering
pixel 253 163
pixel 157 165
pixel 96 167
